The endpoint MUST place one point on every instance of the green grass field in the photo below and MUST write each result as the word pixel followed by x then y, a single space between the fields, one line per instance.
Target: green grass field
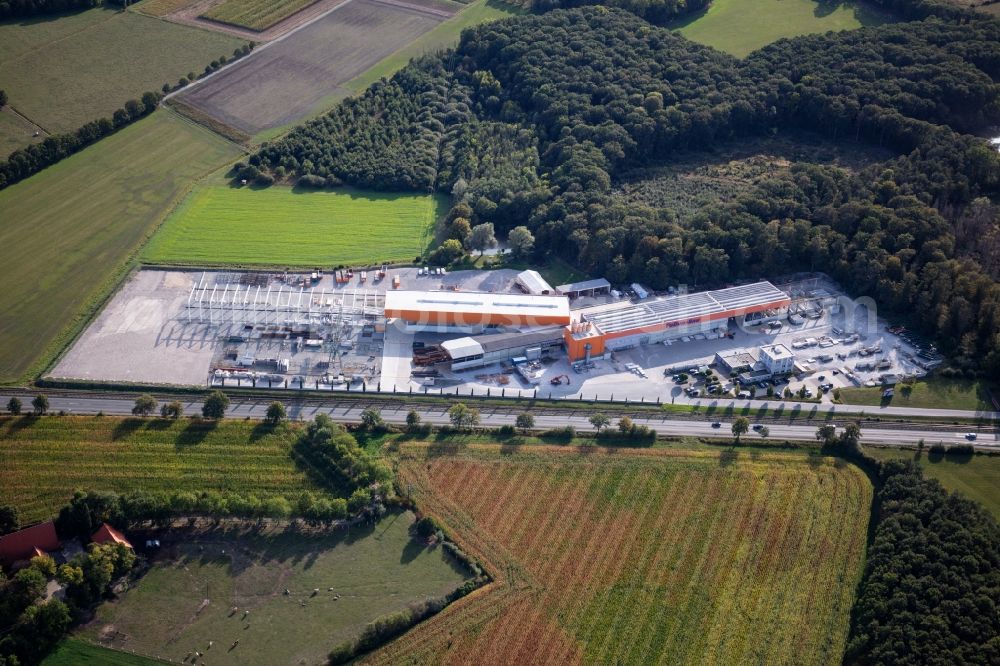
pixel 219 225
pixel 254 14
pixel 74 652
pixel 939 393
pixel 977 478
pixel 184 601
pixel 42 461
pixel 69 231
pixel 741 26
pixel 15 132
pixel 61 73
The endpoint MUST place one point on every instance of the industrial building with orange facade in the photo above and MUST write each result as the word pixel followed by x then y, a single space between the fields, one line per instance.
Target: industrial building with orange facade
pixel 587 332
pixel 474 311
pixel 624 324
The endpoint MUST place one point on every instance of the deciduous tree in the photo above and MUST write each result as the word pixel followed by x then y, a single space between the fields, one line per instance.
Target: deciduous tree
pixel 525 422
pixel 741 425
pixel 215 405
pixel 275 413
pixel 145 405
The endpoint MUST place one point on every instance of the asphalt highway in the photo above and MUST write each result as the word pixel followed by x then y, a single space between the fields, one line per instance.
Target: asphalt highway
pixel 548 417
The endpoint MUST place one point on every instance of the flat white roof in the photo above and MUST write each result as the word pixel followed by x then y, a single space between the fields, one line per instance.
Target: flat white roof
pixel 777 351
pixel 462 347
pixel 533 282
pixel 478 302
pixel 683 307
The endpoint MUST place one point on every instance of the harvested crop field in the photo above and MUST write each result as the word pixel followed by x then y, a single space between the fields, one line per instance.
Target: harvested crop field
pixel 254 14
pixel 296 76
pixel 658 556
pixel 220 225
pixel 42 461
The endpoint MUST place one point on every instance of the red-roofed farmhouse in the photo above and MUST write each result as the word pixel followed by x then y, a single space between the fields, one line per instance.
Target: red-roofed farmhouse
pixel 25 544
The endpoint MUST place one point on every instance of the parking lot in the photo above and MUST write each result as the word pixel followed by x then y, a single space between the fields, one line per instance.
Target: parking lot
pixel 328 331
pixel 847 345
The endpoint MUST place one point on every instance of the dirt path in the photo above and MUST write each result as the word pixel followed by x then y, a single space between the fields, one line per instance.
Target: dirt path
pixel 191 15
pixel 42 132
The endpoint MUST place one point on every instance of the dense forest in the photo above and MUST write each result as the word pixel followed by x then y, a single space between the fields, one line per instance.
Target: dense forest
pixel 931 586
pixel 530 121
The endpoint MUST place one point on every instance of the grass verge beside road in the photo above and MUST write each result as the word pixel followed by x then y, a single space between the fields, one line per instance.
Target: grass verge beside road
pixel 933 393
pixel 976 477
pixel 70 230
pixel 739 26
pixel 43 461
pixel 219 224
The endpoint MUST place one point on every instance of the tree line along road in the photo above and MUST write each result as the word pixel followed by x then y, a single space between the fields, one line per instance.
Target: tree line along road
pixel 664 423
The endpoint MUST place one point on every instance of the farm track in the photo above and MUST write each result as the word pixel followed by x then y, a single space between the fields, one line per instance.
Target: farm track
pixel 641 558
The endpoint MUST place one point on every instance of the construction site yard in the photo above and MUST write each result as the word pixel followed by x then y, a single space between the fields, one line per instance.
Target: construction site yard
pixel 327 331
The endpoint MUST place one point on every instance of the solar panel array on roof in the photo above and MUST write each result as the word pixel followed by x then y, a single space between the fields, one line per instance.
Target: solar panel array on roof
pixel 683 307
pixel 748 295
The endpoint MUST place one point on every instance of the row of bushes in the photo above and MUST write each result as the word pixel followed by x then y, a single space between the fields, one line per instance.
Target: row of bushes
pixel 87 510
pixel 956 450
pixel 332 456
pixel 31 159
pixel 381 630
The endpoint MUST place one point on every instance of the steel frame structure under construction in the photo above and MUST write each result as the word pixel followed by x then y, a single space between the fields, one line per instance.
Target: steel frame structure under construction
pixel 215 300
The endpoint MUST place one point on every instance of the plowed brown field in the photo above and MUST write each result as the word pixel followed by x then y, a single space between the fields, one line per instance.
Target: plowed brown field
pixel 663 556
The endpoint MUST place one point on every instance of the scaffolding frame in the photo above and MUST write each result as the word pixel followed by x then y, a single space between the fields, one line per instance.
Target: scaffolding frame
pixel 222 301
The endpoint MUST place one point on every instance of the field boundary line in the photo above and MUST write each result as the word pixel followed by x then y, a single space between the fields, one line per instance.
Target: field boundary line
pixel 256 50
pixel 28 120
pixel 420 9
pixel 103 295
